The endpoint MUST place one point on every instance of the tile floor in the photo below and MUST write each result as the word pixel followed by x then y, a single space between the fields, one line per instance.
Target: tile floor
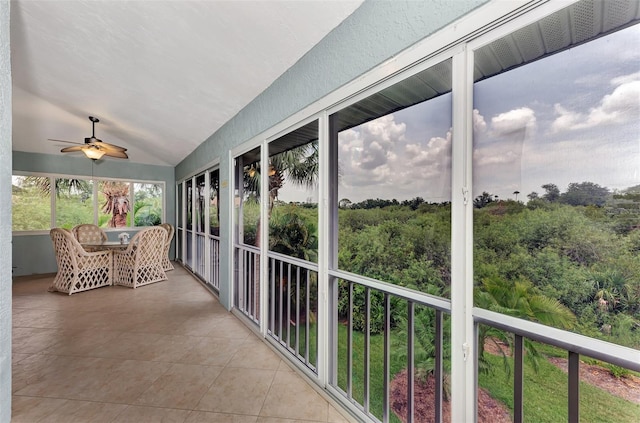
pixel 166 352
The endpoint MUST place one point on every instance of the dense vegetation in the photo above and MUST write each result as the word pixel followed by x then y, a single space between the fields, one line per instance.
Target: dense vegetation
pixel 31 204
pixel 569 259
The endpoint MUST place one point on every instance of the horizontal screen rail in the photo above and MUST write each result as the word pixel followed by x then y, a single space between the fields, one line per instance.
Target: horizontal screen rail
pixel 419 298
pixel 618 355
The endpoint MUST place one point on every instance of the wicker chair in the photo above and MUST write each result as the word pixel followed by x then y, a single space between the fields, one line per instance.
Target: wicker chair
pixel 78 270
pixel 166 263
pixel 141 263
pixel 87 233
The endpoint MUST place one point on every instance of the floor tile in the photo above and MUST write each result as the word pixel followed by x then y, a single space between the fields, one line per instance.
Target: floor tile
pixel 167 352
pixel 139 414
pixel 84 412
pixel 212 351
pixel 291 397
pixel 254 354
pixel 239 391
pixel 33 409
pixel 208 417
pixel 181 386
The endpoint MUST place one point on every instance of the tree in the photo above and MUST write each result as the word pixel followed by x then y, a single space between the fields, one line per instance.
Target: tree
pixel 116 202
pixel 519 299
pixel 298 165
pixel 533 195
pixel 344 203
pixel 483 200
pixel 585 194
pixel 552 192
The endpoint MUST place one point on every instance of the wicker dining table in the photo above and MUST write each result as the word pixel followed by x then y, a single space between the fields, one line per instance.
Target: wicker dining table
pixel 106 245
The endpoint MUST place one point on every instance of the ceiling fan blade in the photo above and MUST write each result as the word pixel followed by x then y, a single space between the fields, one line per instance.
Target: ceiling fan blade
pixel 117 154
pixel 106 146
pixel 71 149
pixel 68 142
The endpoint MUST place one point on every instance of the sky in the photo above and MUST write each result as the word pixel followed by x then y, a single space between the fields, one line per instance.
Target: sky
pixel 570 117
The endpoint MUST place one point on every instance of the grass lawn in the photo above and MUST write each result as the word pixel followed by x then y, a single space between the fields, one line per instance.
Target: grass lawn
pixel 545 392
pixel 545 396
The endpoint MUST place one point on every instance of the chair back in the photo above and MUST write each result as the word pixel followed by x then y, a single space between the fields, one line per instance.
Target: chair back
pixel 65 246
pixel 170 231
pixel 166 262
pixel 149 245
pixel 88 233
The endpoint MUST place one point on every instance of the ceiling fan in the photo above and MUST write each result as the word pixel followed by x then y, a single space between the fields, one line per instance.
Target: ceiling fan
pixel 93 147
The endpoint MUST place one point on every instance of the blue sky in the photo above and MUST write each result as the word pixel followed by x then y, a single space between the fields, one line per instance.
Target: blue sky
pixel 570 117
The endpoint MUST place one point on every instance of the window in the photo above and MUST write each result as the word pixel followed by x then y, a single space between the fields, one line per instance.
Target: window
pixel 114 205
pixel 106 203
pixel 214 202
pixel 74 202
pixel 556 170
pixel 31 203
pixel 394 182
pixel 293 193
pixel 248 203
pixel 148 204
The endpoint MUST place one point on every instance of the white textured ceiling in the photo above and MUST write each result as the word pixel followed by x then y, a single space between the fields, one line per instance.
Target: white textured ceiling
pixel 160 75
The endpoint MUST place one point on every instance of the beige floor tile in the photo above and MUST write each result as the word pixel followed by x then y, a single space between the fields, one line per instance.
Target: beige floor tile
pixel 238 391
pixel 262 419
pixel 138 414
pixel 167 352
pixel 82 342
pixel 254 354
pixel 33 409
pixel 208 417
pixel 37 369
pixel 84 412
pixel 336 417
pixel 181 386
pixel 33 340
pixel 123 383
pixel 212 351
pixel 18 357
pixel 290 397
pixel 229 328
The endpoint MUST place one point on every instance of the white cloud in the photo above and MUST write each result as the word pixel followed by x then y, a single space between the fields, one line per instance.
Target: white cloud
pixel 621 106
pixel 378 140
pixel 378 160
pixel 517 120
pixel 479 124
pixel 625 79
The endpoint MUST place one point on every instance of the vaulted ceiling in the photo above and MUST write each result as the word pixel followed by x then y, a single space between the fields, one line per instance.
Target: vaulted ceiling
pixel 160 75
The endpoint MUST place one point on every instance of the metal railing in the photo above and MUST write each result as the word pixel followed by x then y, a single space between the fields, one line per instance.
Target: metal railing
pixel 214 259
pixel 362 309
pixel 247 281
pixel 200 256
pixel 293 307
pixel 575 345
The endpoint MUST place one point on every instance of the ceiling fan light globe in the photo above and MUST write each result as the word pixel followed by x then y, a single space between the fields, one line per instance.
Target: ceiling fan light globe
pixel 93 153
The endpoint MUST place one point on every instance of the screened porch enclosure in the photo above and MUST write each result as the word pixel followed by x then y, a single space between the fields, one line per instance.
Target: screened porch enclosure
pixel 460 225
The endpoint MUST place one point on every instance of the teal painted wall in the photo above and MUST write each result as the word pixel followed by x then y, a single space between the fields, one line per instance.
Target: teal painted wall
pixel 375 32
pixel 33 254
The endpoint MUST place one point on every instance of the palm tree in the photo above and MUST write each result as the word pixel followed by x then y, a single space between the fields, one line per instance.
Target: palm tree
pixel 518 299
pixel 116 202
pixel 60 185
pixel 298 165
